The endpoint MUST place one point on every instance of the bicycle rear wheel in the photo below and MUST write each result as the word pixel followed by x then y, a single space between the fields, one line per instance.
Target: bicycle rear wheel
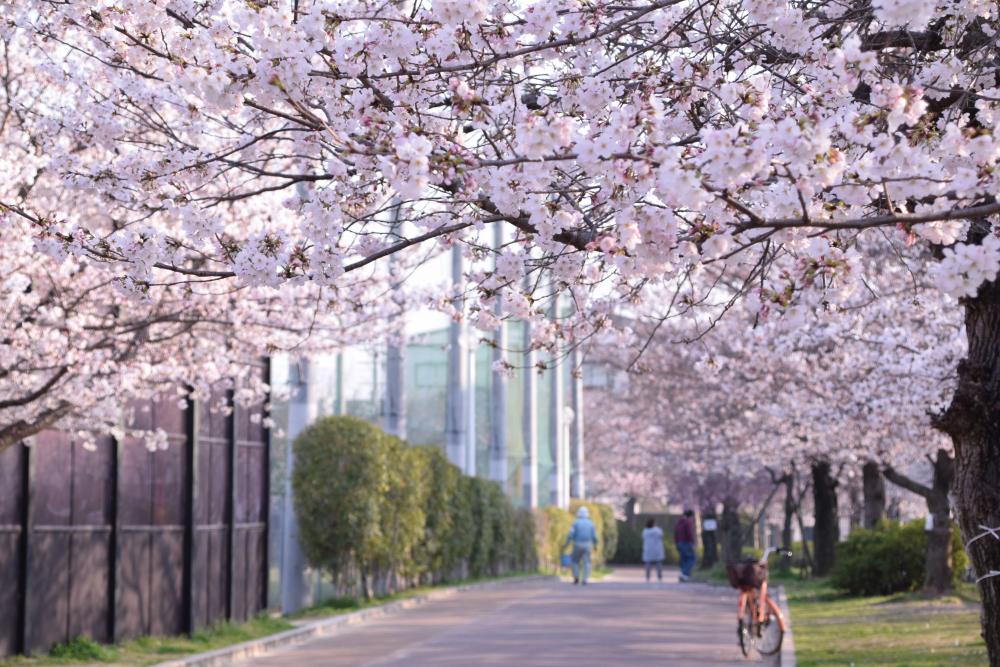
pixel 745 630
pixel 771 631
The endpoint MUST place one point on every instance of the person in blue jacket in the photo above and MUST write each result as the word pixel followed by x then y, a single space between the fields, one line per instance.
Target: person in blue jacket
pixel 583 536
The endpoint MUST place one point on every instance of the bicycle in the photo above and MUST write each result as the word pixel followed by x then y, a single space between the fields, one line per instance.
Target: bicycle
pixel 761 625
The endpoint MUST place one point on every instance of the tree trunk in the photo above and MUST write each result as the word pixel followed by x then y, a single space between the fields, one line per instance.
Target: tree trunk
pixel 973 422
pixel 857 506
pixel 786 528
pixel 708 540
pixel 873 485
pixel 826 529
pixel 732 536
pixel 939 557
pixel 630 511
pixel 938 560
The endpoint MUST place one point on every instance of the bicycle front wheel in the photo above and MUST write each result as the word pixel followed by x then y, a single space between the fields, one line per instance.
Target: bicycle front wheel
pixel 771 631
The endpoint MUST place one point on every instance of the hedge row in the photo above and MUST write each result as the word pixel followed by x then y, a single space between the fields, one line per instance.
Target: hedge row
pixel 379 515
pixel 890 558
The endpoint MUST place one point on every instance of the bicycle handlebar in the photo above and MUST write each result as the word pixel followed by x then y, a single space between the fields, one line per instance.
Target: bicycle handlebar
pixel 771 550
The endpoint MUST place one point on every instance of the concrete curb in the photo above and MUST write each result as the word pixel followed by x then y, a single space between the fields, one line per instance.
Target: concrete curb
pixel 786 658
pixel 329 626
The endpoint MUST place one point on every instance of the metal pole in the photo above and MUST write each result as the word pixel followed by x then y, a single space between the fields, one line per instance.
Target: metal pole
pixel 556 401
pixel 498 393
pixel 454 414
pixel 341 404
pixel 395 391
pixel 530 423
pixel 578 481
pixel 470 416
pixel 294 592
pixel 395 359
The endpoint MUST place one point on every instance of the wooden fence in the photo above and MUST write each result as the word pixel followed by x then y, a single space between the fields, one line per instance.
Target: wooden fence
pixel 118 541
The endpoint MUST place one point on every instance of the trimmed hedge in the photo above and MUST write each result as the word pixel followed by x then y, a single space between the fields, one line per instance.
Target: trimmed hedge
pixel 379 515
pixel 888 559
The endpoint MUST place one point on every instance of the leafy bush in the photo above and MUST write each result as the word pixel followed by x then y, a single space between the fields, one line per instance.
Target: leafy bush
pixel 446 539
pixel 888 559
pixel 629 548
pixel 339 478
pixel 609 538
pixel 525 555
pixel 401 511
pixel 553 527
pixel 368 504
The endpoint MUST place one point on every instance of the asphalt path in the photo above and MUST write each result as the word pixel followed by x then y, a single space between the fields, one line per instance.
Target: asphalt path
pixel 620 620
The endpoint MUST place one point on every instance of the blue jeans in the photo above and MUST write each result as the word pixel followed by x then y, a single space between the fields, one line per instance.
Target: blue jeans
pixel 581 556
pixel 686 550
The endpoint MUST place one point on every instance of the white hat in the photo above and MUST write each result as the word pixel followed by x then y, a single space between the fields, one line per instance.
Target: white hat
pixel 582 513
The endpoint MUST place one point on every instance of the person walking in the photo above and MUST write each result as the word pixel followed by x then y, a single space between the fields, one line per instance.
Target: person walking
pixel 684 539
pixel 583 536
pixel 652 549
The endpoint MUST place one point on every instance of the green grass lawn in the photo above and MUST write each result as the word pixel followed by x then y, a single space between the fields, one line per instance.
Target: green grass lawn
pixel 904 630
pixel 153 650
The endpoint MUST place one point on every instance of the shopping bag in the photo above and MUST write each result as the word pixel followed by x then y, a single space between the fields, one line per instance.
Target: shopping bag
pixel 565 560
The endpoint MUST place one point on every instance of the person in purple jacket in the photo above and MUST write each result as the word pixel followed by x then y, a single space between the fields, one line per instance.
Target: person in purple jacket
pixel 684 539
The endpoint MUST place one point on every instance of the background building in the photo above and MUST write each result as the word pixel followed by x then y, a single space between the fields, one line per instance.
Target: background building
pixel 522 430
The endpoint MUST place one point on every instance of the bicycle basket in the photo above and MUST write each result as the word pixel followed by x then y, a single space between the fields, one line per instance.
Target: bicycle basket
pixel 746 574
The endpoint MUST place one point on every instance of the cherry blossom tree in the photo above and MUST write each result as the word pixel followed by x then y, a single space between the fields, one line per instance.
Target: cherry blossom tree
pixel 76 352
pixel 625 145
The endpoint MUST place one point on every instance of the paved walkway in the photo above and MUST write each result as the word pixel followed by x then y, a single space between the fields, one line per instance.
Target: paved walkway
pixel 620 620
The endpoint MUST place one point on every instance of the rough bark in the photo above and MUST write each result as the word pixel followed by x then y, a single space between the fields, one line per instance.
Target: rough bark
pixel 857 506
pixel 630 511
pixel 786 529
pixel 731 535
pixel 709 541
pixel 826 529
pixel 873 488
pixel 973 422
pixel 937 579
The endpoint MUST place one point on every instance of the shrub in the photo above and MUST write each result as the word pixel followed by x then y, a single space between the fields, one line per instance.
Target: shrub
pixel 487 543
pixel 526 557
pixel 553 525
pixel 888 559
pixel 373 507
pixel 445 541
pixel 401 514
pixel 339 475
pixel 629 547
pixel 609 539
